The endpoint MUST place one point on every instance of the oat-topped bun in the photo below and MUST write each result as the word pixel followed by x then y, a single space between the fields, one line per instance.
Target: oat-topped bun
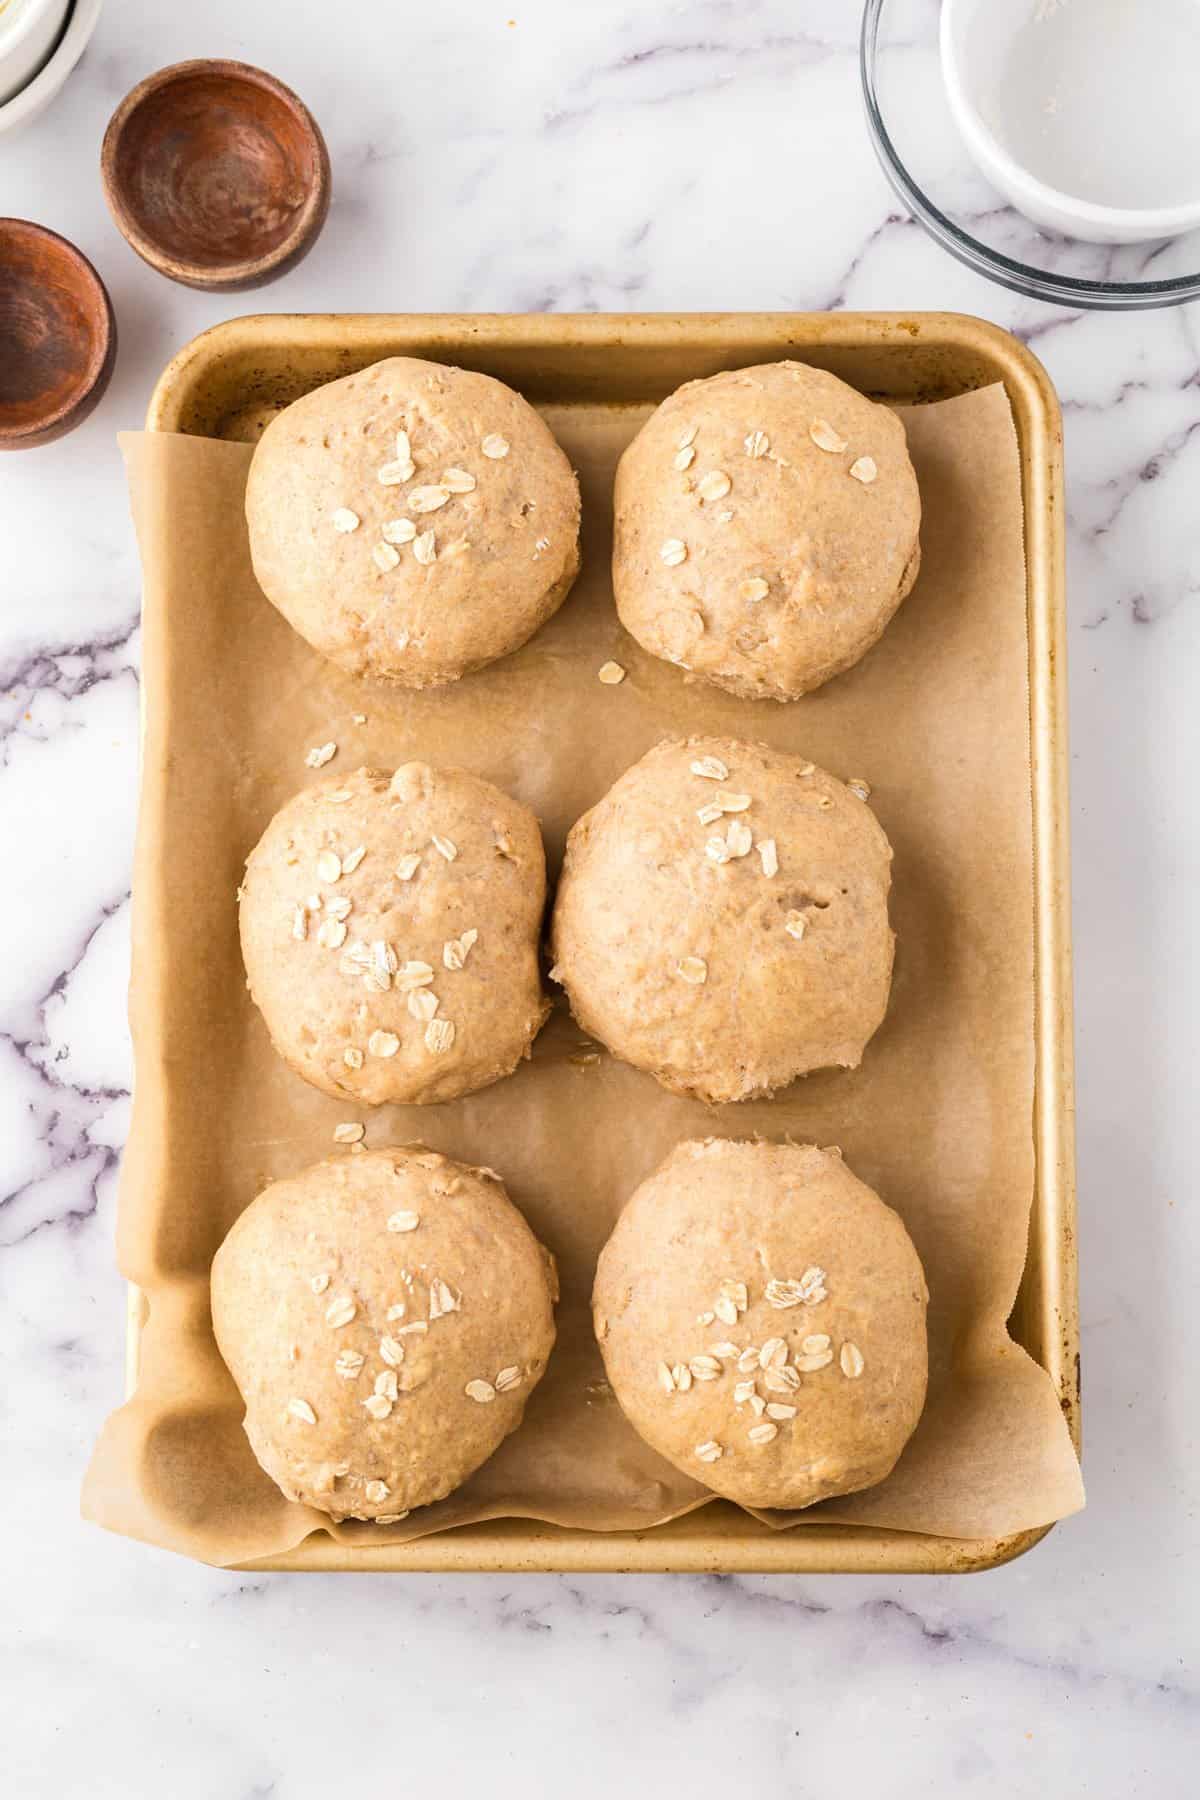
pixel 413 521
pixel 385 1318
pixel 722 918
pixel 761 1314
pixel 766 528
pixel 390 933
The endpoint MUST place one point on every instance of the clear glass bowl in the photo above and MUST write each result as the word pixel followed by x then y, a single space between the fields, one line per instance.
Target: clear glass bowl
pixel 927 163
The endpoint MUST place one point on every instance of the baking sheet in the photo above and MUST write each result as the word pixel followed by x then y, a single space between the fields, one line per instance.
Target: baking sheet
pixel 938 1118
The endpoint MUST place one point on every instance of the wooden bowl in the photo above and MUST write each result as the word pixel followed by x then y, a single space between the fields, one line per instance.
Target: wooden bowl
pixel 58 337
pixel 216 174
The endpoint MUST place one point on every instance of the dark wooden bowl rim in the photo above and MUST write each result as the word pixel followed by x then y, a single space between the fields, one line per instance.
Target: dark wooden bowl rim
pixel 102 336
pixel 230 274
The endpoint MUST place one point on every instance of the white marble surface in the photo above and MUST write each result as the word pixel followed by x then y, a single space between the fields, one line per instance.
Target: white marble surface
pixel 592 154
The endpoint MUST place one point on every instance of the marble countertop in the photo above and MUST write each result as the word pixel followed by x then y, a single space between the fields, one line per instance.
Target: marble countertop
pixel 596 155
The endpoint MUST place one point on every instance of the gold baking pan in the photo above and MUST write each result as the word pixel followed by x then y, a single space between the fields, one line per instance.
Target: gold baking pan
pixel 229 381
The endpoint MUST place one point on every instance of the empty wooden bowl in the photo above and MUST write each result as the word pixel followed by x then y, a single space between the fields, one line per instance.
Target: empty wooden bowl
pixel 58 337
pixel 216 173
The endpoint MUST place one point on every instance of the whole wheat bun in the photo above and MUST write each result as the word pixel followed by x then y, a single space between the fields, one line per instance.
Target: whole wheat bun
pixel 761 1314
pixel 390 930
pixel 726 954
pixel 766 528
pixel 413 521
pixel 385 1318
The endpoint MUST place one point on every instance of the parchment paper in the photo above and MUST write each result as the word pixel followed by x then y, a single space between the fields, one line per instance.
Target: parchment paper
pixel 938 1118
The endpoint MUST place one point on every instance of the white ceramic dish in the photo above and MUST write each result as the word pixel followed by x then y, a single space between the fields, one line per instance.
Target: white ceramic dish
pixel 28 30
pixel 1081 112
pixel 38 93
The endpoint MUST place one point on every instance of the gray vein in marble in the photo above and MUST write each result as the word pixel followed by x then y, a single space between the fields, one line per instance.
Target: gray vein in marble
pixel 47 668
pixel 798 48
pixel 64 1112
pixel 1141 603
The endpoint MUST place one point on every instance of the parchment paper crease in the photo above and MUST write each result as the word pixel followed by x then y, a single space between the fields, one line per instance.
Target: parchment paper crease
pixel 938 1119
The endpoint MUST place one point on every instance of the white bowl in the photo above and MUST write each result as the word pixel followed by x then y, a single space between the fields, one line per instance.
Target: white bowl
pixel 1130 98
pixel 38 92
pixel 28 30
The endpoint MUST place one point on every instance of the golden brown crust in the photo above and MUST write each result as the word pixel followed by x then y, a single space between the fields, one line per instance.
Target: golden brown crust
pixel 785 566
pixel 409 973
pixel 750 1286
pixel 361 1307
pixel 505 548
pixel 723 980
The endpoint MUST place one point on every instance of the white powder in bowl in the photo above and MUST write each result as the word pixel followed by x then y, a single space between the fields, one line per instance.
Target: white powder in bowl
pixel 1099 99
